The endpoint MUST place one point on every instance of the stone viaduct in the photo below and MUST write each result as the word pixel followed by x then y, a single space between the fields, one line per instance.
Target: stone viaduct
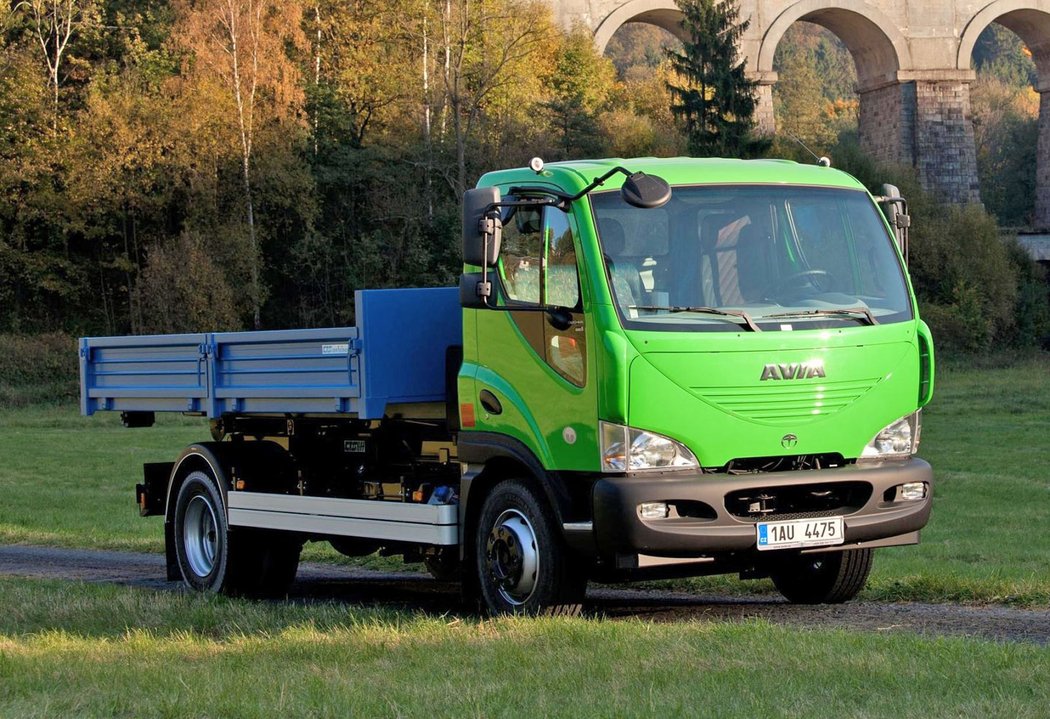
pixel 913 60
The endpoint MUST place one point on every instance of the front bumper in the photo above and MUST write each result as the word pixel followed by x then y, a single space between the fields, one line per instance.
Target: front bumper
pixel 619 529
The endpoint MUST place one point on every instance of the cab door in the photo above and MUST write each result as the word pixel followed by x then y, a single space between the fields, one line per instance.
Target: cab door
pixel 535 381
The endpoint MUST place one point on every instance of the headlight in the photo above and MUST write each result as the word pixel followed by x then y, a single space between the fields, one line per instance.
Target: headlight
pixel 897 440
pixel 626 449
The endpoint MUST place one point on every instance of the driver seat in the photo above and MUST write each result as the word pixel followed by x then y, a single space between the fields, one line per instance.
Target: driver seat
pixel 752 263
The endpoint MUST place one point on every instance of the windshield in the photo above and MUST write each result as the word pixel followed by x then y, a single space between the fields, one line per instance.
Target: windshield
pixel 732 258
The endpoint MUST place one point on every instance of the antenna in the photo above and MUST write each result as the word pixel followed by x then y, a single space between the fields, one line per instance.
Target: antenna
pixel 822 160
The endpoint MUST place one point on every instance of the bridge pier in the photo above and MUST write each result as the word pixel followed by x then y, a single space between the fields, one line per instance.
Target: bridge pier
pixel 1041 220
pixel 923 120
pixel 765 123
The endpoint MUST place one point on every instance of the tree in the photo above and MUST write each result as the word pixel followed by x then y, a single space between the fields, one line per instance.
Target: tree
pixel 1006 132
pixel 715 101
pixel 492 46
pixel 245 43
pixel 800 105
pixel 53 24
pixel 582 83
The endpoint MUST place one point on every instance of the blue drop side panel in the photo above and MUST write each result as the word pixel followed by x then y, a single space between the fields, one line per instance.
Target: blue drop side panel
pixel 153 372
pixel 405 333
pixel 279 371
pixel 395 354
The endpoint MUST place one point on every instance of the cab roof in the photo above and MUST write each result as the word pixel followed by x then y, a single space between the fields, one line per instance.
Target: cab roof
pixel 572 176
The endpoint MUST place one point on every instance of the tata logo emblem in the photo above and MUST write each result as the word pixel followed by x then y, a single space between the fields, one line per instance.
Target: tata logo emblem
pixel 789 441
pixel 793 370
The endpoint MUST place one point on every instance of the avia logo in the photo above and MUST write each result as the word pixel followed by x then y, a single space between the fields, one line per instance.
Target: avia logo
pixel 794 370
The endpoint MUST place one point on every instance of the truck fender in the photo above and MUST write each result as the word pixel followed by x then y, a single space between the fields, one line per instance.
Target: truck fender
pixel 227 462
pixel 490 457
pixel 256 463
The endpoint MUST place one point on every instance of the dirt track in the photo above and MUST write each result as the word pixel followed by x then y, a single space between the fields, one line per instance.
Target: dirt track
pixel 412 591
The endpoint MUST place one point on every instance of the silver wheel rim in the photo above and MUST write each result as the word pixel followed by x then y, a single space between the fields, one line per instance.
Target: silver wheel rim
pixel 512 560
pixel 200 535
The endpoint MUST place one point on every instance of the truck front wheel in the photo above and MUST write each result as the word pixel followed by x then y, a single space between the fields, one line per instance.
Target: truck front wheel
pixel 523 565
pixel 211 558
pixel 824 578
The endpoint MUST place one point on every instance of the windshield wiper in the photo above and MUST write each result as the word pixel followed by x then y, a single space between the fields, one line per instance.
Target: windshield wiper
pixel 862 314
pixel 748 322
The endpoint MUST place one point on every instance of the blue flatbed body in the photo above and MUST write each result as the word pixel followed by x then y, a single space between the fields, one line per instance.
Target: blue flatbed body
pixel 394 355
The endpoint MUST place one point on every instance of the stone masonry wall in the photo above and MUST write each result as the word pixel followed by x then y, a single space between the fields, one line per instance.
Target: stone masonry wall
pixel 944 142
pixel 886 123
pixel 1041 221
pixel 765 124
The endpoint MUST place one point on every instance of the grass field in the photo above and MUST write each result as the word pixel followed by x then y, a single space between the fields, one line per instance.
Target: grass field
pixel 69 480
pixel 81 650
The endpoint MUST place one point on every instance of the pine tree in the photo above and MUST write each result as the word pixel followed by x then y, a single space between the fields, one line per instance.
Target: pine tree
pixel 716 100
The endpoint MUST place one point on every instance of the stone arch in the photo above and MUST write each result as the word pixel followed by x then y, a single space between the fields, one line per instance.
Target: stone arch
pixel 1028 19
pixel 878 46
pixel 662 13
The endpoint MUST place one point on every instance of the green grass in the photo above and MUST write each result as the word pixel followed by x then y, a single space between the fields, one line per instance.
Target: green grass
pixel 69 649
pixel 986 436
pixel 68 480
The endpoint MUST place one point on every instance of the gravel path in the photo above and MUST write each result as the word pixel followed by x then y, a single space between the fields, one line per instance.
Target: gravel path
pixel 413 591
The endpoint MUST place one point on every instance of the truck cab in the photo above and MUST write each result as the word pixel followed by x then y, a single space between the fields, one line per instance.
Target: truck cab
pixel 686 366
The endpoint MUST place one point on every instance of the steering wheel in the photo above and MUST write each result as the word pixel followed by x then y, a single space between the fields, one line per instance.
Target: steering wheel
pixel 799 280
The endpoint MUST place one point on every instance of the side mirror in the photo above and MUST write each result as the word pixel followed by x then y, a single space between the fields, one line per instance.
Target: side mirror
pixel 470 285
pixel 895 209
pixel 482 229
pixel 645 191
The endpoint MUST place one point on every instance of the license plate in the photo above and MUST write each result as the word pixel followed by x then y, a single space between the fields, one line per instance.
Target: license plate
pixel 800 533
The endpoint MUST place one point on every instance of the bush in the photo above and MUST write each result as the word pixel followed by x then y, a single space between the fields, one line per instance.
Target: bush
pixel 184 290
pixel 1033 298
pixel 959 261
pixel 38 369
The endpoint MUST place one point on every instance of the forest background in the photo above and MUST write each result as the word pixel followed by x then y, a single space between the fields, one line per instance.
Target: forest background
pixel 186 165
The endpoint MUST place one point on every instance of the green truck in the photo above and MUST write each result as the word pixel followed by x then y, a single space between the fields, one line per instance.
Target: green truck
pixel 651 368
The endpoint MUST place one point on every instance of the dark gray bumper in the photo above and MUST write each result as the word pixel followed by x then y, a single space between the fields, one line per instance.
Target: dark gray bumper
pixel 618 527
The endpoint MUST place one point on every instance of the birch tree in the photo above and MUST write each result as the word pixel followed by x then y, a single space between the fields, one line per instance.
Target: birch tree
pixel 54 23
pixel 244 44
pixel 490 45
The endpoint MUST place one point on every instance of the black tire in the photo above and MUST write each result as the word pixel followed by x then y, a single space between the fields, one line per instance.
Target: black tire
pixel 211 558
pixel 830 578
pixel 264 562
pixel 523 565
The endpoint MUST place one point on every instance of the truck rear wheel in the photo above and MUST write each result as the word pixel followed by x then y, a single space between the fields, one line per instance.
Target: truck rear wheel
pixel 211 558
pixel 523 565
pixel 824 578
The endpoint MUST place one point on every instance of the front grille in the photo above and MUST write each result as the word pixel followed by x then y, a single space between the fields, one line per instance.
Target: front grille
pixel 790 463
pixel 787 401
pixel 798 502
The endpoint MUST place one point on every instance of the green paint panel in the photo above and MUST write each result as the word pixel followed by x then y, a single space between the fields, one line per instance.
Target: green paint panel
pixel 555 419
pixel 707 391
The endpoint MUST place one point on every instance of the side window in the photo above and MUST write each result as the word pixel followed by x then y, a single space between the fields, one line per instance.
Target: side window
pixel 521 255
pixel 565 350
pixel 563 283
pixel 537 266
